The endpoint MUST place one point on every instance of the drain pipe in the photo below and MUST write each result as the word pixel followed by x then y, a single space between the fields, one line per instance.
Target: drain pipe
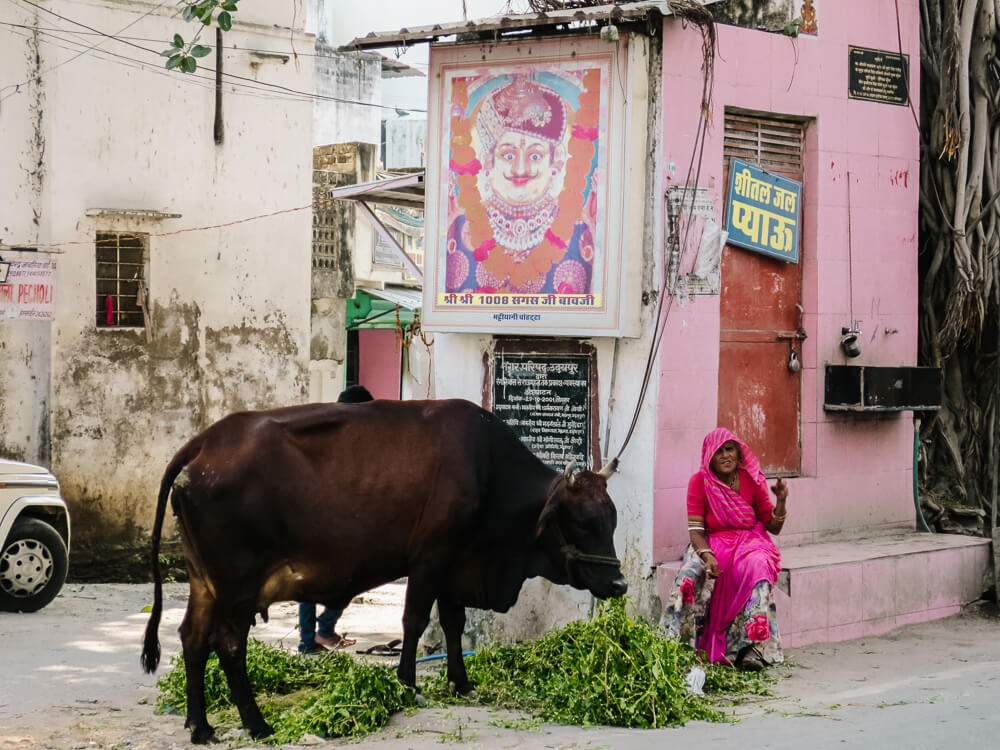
pixel 921 522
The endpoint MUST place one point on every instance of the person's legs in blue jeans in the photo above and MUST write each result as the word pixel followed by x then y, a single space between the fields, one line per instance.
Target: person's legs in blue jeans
pixel 328 621
pixel 309 639
pixel 307 627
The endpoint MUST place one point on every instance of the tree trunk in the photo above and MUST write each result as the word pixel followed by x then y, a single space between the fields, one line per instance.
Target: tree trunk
pixel 959 249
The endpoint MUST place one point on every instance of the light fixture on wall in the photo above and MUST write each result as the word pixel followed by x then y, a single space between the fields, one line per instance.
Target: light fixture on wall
pixel 849 340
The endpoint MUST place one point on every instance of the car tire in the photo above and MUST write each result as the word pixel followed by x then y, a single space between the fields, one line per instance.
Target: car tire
pixel 33 566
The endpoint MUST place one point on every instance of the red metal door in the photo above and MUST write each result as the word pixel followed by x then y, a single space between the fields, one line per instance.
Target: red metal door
pixel 760 310
pixel 759 397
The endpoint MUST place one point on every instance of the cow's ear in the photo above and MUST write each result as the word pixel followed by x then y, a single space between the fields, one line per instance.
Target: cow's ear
pixel 551 504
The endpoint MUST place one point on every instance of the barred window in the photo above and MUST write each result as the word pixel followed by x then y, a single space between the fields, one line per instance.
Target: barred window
pixel 121 268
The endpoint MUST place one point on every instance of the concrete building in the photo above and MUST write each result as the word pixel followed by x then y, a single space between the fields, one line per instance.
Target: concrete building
pixel 181 249
pixel 775 349
pixel 357 335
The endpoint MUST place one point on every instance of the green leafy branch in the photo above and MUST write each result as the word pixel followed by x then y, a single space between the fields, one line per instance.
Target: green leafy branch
pixel 183 55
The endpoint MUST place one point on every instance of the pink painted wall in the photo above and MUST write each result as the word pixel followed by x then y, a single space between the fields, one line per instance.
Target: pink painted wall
pixel 856 471
pixel 379 362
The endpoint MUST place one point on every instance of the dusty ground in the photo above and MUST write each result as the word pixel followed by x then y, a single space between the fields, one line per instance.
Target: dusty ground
pixel 71 679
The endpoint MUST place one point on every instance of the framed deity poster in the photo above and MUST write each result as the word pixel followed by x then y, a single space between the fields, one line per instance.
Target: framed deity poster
pixel 535 189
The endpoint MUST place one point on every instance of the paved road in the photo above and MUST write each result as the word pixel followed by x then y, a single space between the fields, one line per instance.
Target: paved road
pixel 71 679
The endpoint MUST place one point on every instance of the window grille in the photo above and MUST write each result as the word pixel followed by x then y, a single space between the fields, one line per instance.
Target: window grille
pixel 121 266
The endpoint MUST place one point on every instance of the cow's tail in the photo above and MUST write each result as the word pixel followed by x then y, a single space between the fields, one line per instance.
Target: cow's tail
pixel 151 643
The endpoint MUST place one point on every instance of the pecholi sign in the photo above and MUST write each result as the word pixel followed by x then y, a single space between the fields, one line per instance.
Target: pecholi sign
pixel 526 197
pixel 28 291
pixel 763 211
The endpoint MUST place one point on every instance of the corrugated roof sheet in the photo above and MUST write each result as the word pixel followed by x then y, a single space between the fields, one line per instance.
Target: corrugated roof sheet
pixel 511 23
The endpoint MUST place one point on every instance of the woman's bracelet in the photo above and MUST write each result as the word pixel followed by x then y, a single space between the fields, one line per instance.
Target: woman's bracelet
pixel 781 518
pixel 701 552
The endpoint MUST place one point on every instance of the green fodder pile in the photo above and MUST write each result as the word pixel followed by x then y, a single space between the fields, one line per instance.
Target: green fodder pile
pixel 612 670
pixel 331 695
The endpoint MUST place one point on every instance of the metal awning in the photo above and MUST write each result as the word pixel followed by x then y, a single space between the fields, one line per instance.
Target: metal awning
pixel 408 298
pixel 497 26
pixel 382 308
pixel 405 190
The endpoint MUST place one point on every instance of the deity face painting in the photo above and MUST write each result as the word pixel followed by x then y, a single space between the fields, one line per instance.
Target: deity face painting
pixel 522 159
pixel 522 168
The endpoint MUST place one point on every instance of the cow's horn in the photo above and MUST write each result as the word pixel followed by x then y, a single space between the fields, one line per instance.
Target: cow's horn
pixel 610 468
pixel 570 468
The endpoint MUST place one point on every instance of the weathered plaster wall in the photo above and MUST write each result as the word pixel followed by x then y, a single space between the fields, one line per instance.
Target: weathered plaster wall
pixel 405 141
pixel 756 14
pixel 352 78
pixel 856 471
pixel 24 345
pixel 229 305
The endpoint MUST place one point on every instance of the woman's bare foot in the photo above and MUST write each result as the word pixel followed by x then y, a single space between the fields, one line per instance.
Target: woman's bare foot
pixel 335 642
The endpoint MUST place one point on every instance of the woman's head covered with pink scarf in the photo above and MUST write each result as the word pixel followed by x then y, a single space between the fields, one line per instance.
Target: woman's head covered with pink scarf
pixel 729 506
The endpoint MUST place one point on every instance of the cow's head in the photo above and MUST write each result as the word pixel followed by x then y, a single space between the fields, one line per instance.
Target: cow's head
pixel 577 527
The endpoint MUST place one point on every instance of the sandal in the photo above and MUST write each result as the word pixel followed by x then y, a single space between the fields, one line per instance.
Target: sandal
pixel 750 660
pixel 383 649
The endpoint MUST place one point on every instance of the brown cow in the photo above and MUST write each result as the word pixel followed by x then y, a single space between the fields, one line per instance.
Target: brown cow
pixel 324 501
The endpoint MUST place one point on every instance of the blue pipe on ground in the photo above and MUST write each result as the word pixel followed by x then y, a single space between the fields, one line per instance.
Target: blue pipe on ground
pixel 432 657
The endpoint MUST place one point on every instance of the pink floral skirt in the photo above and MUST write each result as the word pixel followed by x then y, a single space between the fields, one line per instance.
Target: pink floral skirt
pixel 687 607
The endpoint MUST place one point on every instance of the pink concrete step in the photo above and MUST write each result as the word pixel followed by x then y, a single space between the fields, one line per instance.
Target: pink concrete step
pixel 836 591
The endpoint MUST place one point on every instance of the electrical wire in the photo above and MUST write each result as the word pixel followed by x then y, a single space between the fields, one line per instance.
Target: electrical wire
pixel 81 54
pixel 191 79
pixel 211 45
pixel 248 81
pixel 238 87
pixel 69 243
pixel 679 245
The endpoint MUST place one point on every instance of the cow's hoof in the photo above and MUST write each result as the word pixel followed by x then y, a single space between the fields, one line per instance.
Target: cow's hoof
pixel 464 689
pixel 203 735
pixel 259 733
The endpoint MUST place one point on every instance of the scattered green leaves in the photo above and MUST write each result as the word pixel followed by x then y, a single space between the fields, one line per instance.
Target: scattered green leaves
pixel 613 670
pixel 330 695
pixel 530 724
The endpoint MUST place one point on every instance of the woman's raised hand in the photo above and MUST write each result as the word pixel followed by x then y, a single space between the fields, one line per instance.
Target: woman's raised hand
pixel 780 490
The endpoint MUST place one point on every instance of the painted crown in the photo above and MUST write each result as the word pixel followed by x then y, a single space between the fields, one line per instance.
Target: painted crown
pixel 522 106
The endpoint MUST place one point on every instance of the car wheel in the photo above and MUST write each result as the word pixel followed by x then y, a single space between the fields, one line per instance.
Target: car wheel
pixel 33 566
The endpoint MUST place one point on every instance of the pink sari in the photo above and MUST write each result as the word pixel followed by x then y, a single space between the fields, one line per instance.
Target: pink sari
pixel 744 550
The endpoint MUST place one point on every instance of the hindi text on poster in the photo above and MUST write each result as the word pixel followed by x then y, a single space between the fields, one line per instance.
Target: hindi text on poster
pixel 546 401
pixel 877 76
pixel 29 292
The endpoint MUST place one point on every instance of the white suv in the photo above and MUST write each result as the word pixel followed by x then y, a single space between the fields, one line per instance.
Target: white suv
pixel 34 537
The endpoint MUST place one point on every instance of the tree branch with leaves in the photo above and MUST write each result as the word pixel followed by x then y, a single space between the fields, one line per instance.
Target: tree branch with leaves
pixel 183 55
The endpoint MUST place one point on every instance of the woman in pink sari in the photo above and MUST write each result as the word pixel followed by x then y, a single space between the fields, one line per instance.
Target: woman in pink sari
pixel 723 595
